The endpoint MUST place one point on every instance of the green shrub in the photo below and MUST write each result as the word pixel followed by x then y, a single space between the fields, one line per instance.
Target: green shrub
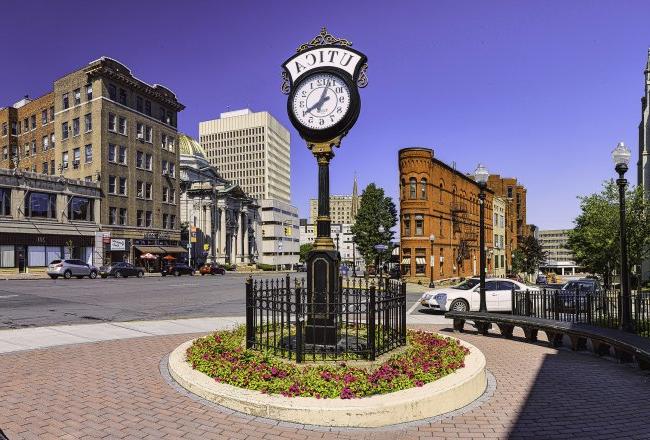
pixel 262 266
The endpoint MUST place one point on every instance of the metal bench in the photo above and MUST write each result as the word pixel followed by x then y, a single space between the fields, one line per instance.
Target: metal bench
pixel 627 347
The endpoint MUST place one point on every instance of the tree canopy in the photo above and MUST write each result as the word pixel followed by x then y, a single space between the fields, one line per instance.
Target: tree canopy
pixel 375 210
pixel 595 238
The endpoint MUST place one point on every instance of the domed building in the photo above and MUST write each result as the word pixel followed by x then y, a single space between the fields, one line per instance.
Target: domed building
pixel 221 217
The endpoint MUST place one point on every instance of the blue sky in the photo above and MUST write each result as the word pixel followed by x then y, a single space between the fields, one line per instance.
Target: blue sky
pixel 541 90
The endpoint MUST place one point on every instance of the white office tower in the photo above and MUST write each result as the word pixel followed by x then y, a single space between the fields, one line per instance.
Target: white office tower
pixel 251 150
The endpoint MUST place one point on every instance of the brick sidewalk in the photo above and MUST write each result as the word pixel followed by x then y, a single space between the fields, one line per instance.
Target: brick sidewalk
pixel 115 389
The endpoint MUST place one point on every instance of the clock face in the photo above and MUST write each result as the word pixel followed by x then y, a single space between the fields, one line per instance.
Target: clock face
pixel 321 101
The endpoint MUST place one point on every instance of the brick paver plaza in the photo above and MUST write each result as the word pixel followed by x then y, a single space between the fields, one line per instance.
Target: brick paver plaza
pixel 115 389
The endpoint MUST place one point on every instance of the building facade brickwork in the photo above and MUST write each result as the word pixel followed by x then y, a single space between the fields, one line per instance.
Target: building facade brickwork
pixel 112 128
pixel 436 200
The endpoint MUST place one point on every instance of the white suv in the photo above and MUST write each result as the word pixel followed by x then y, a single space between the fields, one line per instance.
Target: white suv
pixel 466 295
pixel 69 268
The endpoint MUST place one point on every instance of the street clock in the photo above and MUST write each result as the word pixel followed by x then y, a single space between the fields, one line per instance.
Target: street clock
pixel 322 81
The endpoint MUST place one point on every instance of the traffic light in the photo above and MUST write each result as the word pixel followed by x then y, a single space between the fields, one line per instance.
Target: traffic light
pixel 287 231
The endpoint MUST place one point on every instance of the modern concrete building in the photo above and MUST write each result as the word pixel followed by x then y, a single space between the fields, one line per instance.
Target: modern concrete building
pixel 102 124
pixel 343 241
pixel 437 200
pixel 222 219
pixel 279 241
pixel 643 164
pixel 43 218
pixel 250 149
pixel 343 208
pixel 498 253
pixel 559 258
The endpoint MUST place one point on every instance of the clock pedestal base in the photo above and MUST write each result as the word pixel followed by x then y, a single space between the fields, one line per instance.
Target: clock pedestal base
pixel 323 293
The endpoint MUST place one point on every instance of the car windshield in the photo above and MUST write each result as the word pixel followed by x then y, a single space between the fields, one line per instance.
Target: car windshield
pixel 467 284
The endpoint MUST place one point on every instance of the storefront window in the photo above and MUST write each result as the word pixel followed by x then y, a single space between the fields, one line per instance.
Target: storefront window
pixel 420 261
pixel 406 262
pixel 7 256
pixel 52 253
pixel 36 256
pixel 80 208
pixel 5 201
pixel 40 205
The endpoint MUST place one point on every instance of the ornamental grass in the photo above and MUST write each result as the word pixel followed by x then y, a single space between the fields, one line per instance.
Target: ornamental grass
pixel 427 358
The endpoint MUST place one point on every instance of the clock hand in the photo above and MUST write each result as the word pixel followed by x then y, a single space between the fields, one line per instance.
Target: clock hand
pixel 320 104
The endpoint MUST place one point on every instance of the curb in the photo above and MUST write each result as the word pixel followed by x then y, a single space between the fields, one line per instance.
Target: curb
pixel 449 393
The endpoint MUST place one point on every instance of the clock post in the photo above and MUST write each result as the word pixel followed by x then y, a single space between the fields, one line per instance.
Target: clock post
pixel 321 81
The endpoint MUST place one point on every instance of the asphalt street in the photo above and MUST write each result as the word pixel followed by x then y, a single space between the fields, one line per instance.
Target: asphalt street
pixel 35 303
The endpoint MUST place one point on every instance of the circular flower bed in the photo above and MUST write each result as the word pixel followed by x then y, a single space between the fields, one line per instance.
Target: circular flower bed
pixel 427 357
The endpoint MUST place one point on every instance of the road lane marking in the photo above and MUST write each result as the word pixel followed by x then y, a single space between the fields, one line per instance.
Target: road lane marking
pixel 417 303
pixel 7 296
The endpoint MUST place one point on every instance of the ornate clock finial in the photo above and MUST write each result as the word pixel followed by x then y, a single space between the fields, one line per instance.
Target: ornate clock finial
pixel 322 39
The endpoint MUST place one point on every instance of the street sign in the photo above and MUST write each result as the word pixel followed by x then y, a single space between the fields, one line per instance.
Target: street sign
pixel 193 234
pixel 118 245
pixel 381 247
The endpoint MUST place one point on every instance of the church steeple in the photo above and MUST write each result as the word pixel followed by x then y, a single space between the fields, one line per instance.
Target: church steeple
pixel 646 71
pixel 355 198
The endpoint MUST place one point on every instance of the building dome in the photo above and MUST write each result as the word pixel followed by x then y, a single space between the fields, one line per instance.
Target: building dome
pixel 190 147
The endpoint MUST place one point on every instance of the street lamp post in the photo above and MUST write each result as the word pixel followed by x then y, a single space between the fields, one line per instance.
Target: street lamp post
pixel 481 176
pixel 381 231
pixel 432 238
pixel 621 157
pixel 354 260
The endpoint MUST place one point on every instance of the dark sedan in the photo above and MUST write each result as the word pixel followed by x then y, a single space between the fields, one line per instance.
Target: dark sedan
pixel 212 269
pixel 121 270
pixel 177 270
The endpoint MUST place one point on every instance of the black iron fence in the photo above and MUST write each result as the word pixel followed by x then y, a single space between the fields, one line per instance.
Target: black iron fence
pixel 366 319
pixel 599 309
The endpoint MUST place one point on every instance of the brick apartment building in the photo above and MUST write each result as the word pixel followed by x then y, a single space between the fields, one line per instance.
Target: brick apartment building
pixel 514 194
pixel 436 199
pixel 102 124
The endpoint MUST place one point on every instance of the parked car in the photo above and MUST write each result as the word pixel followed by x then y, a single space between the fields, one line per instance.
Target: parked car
pixel 177 270
pixel 541 279
pixel 574 294
pixel 121 269
pixel 466 295
pixel 212 269
pixel 69 268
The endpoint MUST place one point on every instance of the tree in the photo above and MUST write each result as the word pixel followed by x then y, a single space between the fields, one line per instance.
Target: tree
pixel 305 249
pixel 518 261
pixel 595 238
pixel 375 210
pixel 533 255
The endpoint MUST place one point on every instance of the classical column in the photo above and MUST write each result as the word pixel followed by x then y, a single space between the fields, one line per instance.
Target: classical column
pixel 245 249
pixel 221 253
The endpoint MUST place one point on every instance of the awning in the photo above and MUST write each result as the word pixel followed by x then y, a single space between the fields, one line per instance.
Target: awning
pixel 174 249
pixel 150 249
pixel 420 260
pixel 395 250
pixel 406 260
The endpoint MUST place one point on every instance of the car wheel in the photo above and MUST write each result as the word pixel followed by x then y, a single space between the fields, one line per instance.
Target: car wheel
pixel 92 275
pixel 118 274
pixel 192 273
pixel 54 277
pixel 163 274
pixel 177 273
pixel 67 274
pixel 140 274
pixel 459 305
pixel 202 273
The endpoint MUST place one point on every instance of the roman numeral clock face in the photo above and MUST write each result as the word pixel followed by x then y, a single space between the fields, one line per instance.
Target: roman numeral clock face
pixel 321 101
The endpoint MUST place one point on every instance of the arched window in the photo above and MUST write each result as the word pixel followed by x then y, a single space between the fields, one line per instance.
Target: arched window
pixel 413 187
pixel 423 188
